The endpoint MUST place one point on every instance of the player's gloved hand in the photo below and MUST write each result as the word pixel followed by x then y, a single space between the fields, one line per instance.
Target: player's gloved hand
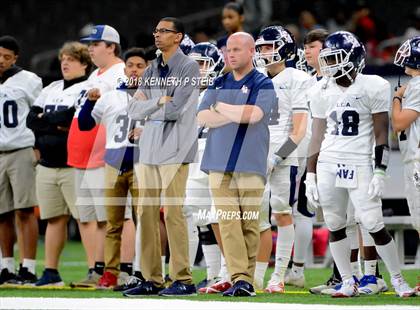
pixel 377 184
pixel 272 162
pixel 416 173
pixel 311 192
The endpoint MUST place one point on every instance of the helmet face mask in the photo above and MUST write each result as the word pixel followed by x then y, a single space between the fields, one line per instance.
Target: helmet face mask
pixel 403 54
pixel 302 64
pixel 264 59
pixel 335 63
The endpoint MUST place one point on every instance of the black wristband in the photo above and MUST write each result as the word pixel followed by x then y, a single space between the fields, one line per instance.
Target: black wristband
pixel 286 149
pixel 381 156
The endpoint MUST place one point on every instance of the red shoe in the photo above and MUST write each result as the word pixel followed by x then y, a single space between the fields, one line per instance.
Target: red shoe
pixel 107 281
pixel 218 287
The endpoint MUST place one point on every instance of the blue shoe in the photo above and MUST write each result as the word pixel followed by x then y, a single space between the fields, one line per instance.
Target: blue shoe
pixel 202 283
pixel 145 288
pixel 178 288
pixel 368 285
pixel 240 289
pixel 50 278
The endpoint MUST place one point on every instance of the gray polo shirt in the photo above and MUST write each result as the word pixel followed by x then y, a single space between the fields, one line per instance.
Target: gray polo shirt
pixel 170 132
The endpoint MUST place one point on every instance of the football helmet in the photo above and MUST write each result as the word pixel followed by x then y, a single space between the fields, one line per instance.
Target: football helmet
pixel 211 59
pixel 342 52
pixel 186 44
pixel 283 42
pixel 409 54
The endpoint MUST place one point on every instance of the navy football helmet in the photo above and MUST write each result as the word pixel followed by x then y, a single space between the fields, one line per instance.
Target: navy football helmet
pixel 409 54
pixel 341 53
pixel 186 44
pixel 283 42
pixel 210 59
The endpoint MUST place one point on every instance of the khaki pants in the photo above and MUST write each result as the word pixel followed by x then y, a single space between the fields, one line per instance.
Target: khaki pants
pixel 117 188
pixel 170 181
pixel 238 195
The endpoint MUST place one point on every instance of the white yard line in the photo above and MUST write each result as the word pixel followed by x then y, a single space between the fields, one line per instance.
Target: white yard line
pixel 151 304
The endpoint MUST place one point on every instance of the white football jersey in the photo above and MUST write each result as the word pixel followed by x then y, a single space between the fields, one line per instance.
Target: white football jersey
pixel 111 111
pixel 409 138
pixel 106 81
pixel 349 137
pixel 290 86
pixel 55 98
pixel 17 94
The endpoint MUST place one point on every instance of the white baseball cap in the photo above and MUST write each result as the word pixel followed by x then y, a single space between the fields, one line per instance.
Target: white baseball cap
pixel 102 33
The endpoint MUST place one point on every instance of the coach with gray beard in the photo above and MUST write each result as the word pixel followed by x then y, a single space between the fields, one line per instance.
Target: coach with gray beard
pixel 167 100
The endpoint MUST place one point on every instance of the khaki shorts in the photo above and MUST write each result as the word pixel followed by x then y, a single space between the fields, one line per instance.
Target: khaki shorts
pixel 17 180
pixel 90 193
pixel 55 192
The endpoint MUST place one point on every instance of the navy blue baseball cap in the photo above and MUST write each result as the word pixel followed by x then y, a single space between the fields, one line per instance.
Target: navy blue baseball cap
pixel 102 33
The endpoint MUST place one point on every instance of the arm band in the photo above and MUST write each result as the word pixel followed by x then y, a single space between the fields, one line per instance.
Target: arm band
pixel 286 149
pixel 381 156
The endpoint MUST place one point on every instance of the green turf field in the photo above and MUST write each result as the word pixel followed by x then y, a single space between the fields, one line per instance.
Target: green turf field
pixel 73 267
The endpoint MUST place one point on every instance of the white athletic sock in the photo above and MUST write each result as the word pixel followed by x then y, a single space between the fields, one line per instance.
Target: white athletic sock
pixel 163 260
pixel 260 269
pixel 370 267
pixel 340 251
pixel 212 257
pixel 224 273
pixel 30 264
pixel 137 249
pixel 353 236
pixel 8 263
pixel 355 269
pixel 388 253
pixel 297 270
pixel 303 237
pixel 284 245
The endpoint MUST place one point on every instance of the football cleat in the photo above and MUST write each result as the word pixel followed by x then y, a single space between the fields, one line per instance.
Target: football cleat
pixel 347 289
pixel 275 286
pixel 292 278
pixel 330 284
pixel 368 285
pixel 401 287
pixel 382 286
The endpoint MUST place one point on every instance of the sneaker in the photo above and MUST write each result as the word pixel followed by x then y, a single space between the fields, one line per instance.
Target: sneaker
pixel 295 279
pixel 27 277
pixel 91 280
pixel 382 286
pixel 216 288
pixel 347 289
pixel 240 289
pixel 7 277
pixel 178 288
pixel 401 287
pixel 107 281
pixel 368 285
pixel 50 278
pixel 145 288
pixel 331 283
pixel 131 282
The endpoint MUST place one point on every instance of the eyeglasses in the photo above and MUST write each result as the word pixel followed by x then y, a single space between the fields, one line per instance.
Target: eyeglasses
pixel 164 30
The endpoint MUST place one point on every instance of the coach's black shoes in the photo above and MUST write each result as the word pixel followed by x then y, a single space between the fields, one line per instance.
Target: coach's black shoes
pixel 8 278
pixel 26 277
pixel 178 288
pixel 240 289
pixel 50 277
pixel 130 283
pixel 145 288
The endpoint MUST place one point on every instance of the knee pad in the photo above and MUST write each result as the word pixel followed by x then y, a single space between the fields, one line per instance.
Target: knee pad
pixel 280 204
pixel 206 235
pixel 334 222
pixel 372 220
